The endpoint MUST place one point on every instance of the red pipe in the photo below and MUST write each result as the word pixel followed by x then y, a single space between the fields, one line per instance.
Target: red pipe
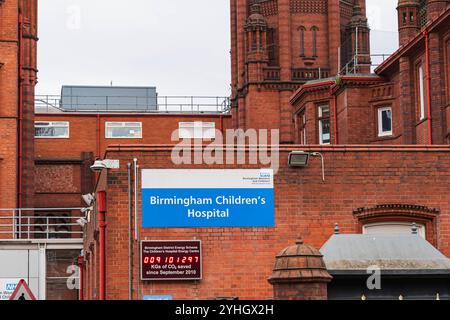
pixel 428 79
pixel 98 136
pixel 20 147
pixel 101 208
pixel 81 275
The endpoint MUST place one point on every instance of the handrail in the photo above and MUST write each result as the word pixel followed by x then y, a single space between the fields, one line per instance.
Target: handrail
pixel 130 104
pixel 22 226
pixel 352 66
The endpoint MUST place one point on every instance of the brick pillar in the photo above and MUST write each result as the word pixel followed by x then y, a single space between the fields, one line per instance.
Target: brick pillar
pixel 408 109
pixel 284 36
pixel 438 90
pixel 28 78
pixel 285 47
pixel 334 37
pixel 286 118
pixel 435 8
pixel 300 274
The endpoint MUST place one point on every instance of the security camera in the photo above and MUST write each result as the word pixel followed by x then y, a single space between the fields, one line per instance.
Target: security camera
pixel 82 222
pixel 89 199
pixel 98 166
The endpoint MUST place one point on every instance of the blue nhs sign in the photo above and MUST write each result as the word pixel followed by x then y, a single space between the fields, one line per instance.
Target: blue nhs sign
pixel 10 286
pixel 193 198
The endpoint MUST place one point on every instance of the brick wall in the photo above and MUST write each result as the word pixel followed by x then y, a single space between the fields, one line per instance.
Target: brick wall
pixel 85 129
pixel 8 104
pixel 238 261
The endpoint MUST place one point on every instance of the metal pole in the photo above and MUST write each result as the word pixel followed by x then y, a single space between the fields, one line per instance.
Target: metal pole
pixel 130 237
pixel 357 51
pixel 20 223
pixel 339 60
pixel 47 227
pixel 135 199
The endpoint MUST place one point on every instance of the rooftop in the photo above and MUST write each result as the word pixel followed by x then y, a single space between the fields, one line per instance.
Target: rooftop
pixel 394 253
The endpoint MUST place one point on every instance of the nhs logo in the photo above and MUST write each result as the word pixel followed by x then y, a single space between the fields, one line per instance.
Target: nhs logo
pixel 265 175
pixel 10 286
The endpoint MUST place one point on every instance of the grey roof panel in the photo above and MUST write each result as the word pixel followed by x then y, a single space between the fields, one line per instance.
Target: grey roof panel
pixel 403 252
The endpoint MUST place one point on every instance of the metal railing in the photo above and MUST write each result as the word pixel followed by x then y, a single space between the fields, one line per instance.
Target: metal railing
pixel 306 74
pixel 30 224
pixel 353 66
pixel 132 104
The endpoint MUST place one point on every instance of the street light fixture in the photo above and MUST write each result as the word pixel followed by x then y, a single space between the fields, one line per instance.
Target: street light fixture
pixel 301 159
pixel 298 159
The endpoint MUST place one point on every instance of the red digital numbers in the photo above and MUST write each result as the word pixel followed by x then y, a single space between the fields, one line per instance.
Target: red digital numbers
pixel 171 260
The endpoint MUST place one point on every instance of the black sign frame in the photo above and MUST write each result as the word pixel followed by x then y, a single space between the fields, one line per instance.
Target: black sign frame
pixel 197 243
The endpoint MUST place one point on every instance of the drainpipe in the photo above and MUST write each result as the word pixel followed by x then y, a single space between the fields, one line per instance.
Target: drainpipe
pixel 81 276
pixel 98 136
pixel 136 217
pixel 20 147
pixel 101 207
pixel 428 78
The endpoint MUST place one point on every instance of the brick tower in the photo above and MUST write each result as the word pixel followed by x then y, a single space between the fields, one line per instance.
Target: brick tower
pixel 278 45
pixel 408 20
pixel 18 37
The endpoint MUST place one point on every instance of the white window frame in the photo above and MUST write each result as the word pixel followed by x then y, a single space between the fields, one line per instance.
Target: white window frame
pixel 123 124
pixel 197 130
pixel 421 93
pixel 52 124
pixel 320 115
pixel 382 133
pixel 421 231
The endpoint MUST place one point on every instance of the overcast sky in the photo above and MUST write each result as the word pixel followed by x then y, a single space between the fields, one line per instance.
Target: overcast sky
pixel 180 46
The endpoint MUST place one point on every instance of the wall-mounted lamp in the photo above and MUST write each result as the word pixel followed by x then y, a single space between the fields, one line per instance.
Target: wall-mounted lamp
pixel 301 159
pixel 89 199
pixel 99 165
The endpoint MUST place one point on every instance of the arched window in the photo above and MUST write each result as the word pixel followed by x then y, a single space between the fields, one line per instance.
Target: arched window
pixel 314 31
pixel 393 227
pixel 398 219
pixel 302 40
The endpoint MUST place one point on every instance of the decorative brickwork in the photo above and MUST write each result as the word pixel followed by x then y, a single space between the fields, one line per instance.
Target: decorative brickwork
pixel 309 7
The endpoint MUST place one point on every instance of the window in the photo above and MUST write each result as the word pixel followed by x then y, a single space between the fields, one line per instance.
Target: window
pixel 421 94
pixel 302 41
pixel 314 40
pixel 272 47
pixel 197 130
pixel 324 124
pixel 393 228
pixel 384 121
pixel 302 127
pixel 55 130
pixel 125 130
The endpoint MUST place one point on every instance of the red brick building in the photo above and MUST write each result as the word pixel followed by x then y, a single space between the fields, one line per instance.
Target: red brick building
pixel 303 67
